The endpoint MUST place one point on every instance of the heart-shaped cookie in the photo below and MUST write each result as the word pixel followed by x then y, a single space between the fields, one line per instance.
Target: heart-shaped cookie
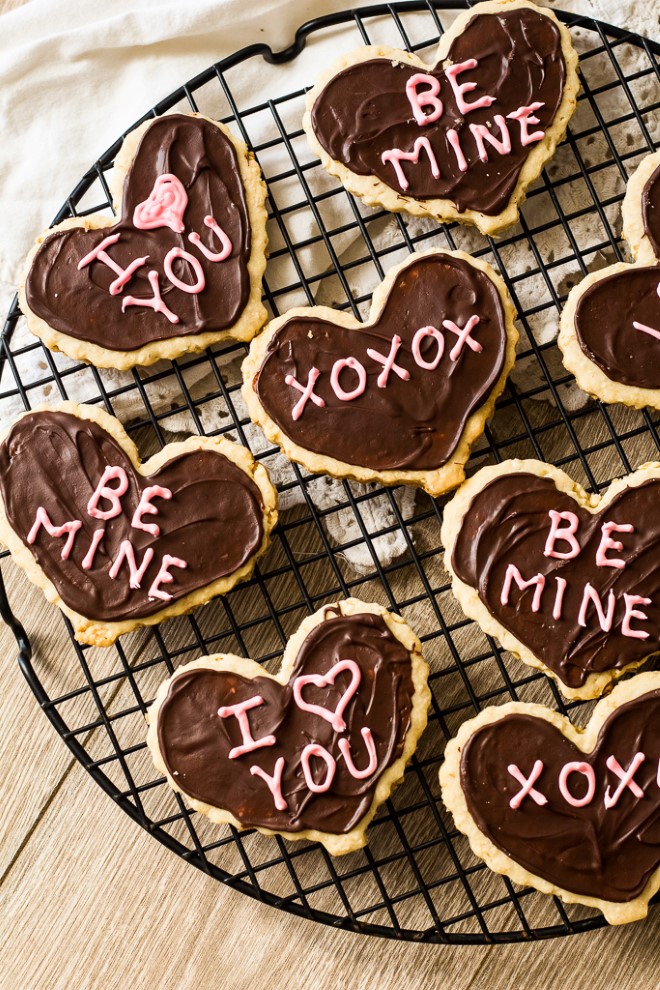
pixel 568 582
pixel 180 270
pixel 119 544
pixel 461 140
pixel 572 812
pixel 610 326
pixel 311 752
pixel 398 399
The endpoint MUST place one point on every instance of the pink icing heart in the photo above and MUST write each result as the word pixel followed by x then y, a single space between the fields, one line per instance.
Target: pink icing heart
pixel 325 680
pixel 164 207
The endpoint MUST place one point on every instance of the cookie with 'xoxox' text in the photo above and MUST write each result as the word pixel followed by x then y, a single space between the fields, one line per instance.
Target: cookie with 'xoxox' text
pixel 567 581
pixel 117 543
pixel 401 398
pixel 311 752
pixel 461 140
pixel 180 270
pixel 610 325
pixel 573 812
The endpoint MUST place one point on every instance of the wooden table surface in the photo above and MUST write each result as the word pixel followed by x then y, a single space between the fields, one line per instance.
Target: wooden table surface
pixel 88 899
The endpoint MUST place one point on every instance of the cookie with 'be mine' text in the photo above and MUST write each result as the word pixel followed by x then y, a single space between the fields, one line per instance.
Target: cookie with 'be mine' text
pixel 311 752
pixel 459 140
pixel 573 812
pixel 179 270
pixel 610 325
pixel 568 582
pixel 399 399
pixel 117 543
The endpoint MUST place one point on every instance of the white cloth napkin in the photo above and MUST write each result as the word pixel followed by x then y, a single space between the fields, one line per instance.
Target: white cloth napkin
pixel 74 76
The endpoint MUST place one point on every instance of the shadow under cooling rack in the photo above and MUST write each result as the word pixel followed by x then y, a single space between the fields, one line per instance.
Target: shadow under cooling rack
pixel 418 878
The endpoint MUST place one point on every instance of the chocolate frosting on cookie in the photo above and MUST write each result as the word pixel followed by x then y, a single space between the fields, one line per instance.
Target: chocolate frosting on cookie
pixel 410 424
pixel 54 460
pixel 195 741
pixel 608 853
pixel 651 210
pixel 78 302
pixel 364 111
pixel 604 326
pixel 508 522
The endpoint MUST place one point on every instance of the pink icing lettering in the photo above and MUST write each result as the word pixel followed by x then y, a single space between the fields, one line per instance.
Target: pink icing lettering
pixel 427 98
pixel 307 392
pixel 124 275
pixel 590 777
pixel 526 788
pixel 313 749
pixel 452 72
pixel 345 750
pixel 626 777
pixel 164 207
pixel 559 597
pixel 274 783
pixel 170 257
pixel 93 547
pixel 164 577
pixel 513 574
pixel 156 303
pixel 70 528
pixel 127 553
pixel 463 337
pixel 591 595
pixel 481 134
pixel 112 495
pixel 633 613
pixel 567 534
pixel 225 243
pixel 421 335
pixel 145 508
pixel 607 543
pixel 649 330
pixel 249 743
pixel 355 366
pixel 395 156
pixel 324 680
pixel 525 117
pixel 388 362
pixel 461 161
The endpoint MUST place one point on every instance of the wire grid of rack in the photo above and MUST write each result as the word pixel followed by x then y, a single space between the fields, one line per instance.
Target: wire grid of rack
pixel 417 879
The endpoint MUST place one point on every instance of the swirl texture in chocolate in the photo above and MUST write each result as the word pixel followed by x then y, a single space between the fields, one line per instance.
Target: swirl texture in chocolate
pixel 54 460
pixel 410 424
pixel 195 742
pixel 78 302
pixel 595 851
pixel 364 111
pixel 508 522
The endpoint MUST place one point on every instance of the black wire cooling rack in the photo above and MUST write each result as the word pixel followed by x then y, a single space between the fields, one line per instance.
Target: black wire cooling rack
pixel 417 879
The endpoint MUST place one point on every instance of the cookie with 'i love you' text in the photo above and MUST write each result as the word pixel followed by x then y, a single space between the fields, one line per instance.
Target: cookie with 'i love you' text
pixel 179 270
pixel 610 325
pixel 459 140
pixel 308 753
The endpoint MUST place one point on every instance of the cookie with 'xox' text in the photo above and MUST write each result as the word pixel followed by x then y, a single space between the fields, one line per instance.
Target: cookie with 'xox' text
pixel 459 140
pixel 311 752
pixel 567 581
pixel 573 812
pixel 610 325
pixel 399 399
pixel 118 543
pixel 179 270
